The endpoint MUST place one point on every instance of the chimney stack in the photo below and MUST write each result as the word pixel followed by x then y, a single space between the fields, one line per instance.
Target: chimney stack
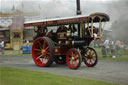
pixel 78 12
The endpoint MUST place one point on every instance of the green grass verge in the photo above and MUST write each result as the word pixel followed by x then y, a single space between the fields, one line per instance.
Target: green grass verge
pixel 14 76
pixel 15 53
pixel 123 57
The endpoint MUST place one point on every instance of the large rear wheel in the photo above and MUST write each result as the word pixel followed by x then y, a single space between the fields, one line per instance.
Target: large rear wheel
pixel 73 58
pixel 43 51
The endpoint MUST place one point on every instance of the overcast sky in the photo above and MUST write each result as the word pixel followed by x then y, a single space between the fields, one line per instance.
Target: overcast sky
pixel 53 8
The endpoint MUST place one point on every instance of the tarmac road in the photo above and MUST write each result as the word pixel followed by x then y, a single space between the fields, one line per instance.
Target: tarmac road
pixel 110 71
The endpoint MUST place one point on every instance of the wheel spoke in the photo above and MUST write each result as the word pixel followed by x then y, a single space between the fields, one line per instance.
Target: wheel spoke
pixel 47 57
pixel 72 62
pixel 93 53
pixel 39 57
pixel 90 61
pixel 75 53
pixel 71 54
pixel 44 45
pixel 87 61
pixel 44 59
pixel 75 62
pixel 77 57
pixel 69 59
pixel 90 52
pixel 47 53
pixel 40 45
pixel 37 49
pixel 47 48
pixel 94 58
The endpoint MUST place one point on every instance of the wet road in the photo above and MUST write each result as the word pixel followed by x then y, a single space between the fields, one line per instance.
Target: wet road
pixel 110 71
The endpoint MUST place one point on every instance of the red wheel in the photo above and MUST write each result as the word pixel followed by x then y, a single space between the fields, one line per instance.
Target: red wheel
pixel 60 59
pixel 90 57
pixel 43 51
pixel 73 58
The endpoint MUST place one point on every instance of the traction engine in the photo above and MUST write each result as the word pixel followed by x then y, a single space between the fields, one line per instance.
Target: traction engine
pixel 68 42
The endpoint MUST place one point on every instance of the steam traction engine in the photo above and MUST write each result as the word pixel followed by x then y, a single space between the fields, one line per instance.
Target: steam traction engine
pixel 68 42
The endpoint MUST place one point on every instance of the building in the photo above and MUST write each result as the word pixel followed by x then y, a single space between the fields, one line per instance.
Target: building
pixel 13 32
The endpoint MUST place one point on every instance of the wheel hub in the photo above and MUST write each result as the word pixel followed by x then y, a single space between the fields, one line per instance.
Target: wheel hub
pixel 90 56
pixel 43 52
pixel 73 58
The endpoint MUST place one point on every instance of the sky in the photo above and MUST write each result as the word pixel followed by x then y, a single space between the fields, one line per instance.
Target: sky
pixel 62 8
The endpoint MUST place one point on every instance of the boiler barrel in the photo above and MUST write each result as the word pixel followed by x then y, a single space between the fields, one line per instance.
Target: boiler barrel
pixel 79 43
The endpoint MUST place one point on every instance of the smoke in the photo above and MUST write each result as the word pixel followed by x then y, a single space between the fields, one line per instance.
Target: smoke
pixel 120 23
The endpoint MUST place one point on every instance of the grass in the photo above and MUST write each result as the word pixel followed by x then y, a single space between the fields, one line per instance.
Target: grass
pixel 15 53
pixel 123 57
pixel 14 76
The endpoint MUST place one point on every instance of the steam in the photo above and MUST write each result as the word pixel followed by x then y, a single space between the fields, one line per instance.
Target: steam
pixel 120 20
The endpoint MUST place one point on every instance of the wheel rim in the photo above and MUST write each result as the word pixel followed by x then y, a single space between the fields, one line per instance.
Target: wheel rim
pixel 41 52
pixel 90 57
pixel 73 59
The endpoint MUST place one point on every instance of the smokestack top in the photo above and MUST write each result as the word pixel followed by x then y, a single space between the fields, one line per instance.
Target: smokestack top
pixel 78 12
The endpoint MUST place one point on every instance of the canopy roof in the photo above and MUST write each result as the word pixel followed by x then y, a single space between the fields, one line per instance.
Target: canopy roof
pixel 68 20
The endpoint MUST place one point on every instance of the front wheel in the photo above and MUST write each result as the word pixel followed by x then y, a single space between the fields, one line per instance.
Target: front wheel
pixel 90 57
pixel 73 58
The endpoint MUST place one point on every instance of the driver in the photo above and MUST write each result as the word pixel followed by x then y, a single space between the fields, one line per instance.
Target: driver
pixel 43 31
pixel 73 30
pixel 95 31
pixel 62 29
